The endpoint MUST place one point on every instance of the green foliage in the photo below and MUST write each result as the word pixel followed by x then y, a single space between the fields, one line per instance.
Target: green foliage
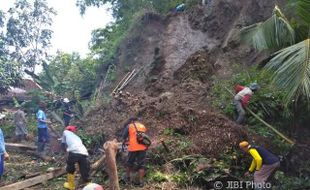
pixel 275 33
pixel 266 102
pixel 302 8
pixel 158 176
pixel 9 75
pixel 293 61
pixel 37 96
pixel 287 182
pixel 198 170
pixel 89 140
pixel 68 73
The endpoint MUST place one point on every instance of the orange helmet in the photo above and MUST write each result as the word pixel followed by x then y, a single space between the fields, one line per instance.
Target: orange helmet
pixel 243 144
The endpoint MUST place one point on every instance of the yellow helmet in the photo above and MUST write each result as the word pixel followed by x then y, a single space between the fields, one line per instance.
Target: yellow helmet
pixel 243 144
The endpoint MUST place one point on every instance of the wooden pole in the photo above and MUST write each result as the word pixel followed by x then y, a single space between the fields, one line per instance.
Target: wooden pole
pixel 127 82
pixel 120 82
pixel 20 146
pixel 266 124
pixel 128 78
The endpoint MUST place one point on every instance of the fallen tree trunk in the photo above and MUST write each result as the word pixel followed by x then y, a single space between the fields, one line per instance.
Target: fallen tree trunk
pixel 97 165
pixel 35 180
pixel 111 148
pixel 20 146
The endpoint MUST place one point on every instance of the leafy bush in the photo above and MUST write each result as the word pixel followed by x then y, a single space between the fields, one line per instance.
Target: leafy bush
pixel 286 182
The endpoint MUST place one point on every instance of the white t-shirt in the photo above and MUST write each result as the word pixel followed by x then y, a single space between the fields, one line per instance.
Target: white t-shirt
pixel 74 143
pixel 243 92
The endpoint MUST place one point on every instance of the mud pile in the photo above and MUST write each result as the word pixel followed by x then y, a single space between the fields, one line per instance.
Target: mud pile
pixel 176 56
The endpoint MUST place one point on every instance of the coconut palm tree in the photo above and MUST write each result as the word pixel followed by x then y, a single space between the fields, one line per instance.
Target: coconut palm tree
pixel 290 48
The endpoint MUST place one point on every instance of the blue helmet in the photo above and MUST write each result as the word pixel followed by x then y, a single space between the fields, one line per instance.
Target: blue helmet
pixel 254 86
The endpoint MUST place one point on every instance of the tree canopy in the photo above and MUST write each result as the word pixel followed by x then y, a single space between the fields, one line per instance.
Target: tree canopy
pixel 25 34
pixel 28 32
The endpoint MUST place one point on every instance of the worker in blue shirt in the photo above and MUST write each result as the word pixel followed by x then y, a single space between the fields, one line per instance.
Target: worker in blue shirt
pixel 42 128
pixel 3 154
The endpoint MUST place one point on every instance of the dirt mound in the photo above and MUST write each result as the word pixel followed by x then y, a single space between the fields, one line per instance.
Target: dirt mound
pixel 176 57
pixel 198 67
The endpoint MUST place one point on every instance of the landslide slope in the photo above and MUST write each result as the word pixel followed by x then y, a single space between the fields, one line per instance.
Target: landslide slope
pixel 176 56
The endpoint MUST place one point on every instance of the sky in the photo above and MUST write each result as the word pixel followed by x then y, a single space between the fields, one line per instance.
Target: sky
pixel 72 32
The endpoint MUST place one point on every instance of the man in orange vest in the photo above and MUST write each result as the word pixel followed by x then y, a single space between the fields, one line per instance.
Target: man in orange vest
pixel 136 151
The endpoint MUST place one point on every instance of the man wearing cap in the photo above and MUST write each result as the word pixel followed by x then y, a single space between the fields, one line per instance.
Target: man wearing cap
pixel 68 114
pixel 264 162
pixel 242 98
pixel 77 154
pixel 3 154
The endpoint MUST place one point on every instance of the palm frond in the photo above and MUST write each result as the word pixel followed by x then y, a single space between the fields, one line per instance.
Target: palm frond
pixel 291 67
pixel 302 8
pixel 275 33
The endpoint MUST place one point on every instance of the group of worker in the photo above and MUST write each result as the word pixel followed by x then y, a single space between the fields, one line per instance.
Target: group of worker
pixel 263 164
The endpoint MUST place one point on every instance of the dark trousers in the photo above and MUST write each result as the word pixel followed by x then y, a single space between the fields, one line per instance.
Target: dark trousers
pixel 1 164
pixel 67 121
pixel 42 138
pixel 83 162
pixel 136 159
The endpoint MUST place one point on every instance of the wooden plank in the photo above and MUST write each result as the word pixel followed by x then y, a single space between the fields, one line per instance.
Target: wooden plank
pixel 35 180
pixel 20 146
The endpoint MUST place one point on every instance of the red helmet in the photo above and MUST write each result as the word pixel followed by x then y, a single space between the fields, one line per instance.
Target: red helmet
pixel 71 128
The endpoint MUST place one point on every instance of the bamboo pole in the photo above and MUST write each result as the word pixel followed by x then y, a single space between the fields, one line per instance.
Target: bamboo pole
pixel 126 81
pixel 121 82
pixel 265 123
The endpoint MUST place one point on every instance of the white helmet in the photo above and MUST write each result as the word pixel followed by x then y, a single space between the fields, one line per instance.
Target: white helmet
pixel 66 100
pixel 93 186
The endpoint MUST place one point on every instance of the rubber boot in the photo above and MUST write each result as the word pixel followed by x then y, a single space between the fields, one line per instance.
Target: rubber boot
pixel 70 182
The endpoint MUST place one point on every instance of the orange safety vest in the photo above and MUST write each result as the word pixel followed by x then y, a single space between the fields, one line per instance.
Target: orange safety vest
pixel 133 143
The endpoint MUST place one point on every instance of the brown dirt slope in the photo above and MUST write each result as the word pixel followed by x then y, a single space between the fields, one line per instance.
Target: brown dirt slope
pixel 178 55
